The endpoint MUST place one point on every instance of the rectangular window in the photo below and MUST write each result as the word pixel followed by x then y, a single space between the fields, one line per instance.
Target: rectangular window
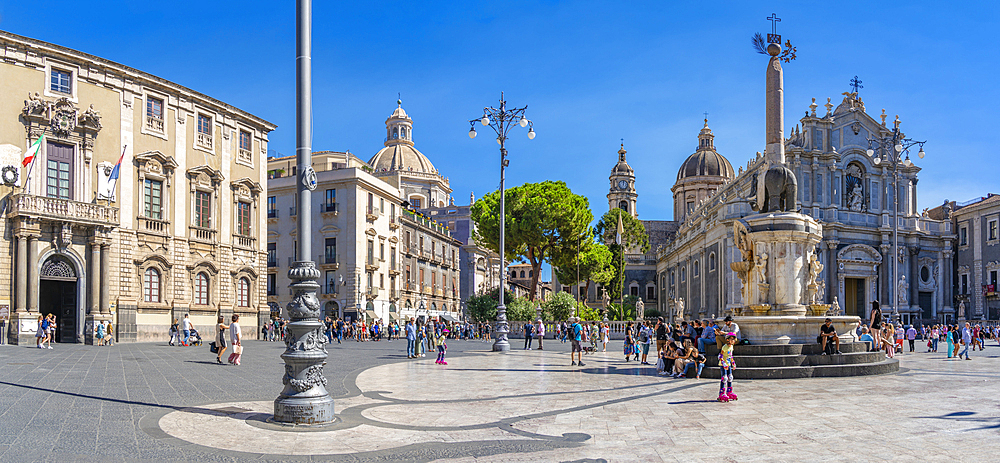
pixel 204 125
pixel 243 218
pixel 330 250
pixel 201 289
pixel 59 170
pixel 415 202
pixel 245 140
pixel 650 293
pixel 392 213
pixel 381 204
pixel 154 108
pixel 421 281
pixel 272 284
pixel 993 279
pixel 272 207
pixel 381 252
pixel 371 203
pixel 371 252
pixel 61 81
pixel 203 209
pixel 965 284
pixel 992 230
pixel 963 239
pixel 272 254
pixel 152 199
pixel 330 200
pixel 381 280
pixel 371 276
pixel 392 258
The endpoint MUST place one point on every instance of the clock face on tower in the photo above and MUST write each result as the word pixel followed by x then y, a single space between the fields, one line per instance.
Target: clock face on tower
pixel 622 184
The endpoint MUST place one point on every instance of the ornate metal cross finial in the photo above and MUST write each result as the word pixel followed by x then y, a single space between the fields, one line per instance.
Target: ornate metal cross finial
pixel 856 84
pixel 773 37
pixel 706 116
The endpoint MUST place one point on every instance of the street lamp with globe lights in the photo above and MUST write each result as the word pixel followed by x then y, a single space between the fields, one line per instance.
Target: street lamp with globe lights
pixel 893 149
pixel 501 120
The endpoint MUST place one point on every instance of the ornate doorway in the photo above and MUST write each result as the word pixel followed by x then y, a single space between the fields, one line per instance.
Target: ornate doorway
pixel 857 278
pixel 58 294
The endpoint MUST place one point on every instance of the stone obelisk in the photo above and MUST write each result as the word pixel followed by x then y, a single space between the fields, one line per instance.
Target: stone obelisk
pixel 775 108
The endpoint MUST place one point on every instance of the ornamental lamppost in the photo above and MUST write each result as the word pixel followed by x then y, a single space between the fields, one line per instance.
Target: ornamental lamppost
pixel 304 399
pixel 895 150
pixel 501 120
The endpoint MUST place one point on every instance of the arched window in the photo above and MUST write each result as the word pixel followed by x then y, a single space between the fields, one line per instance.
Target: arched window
pixel 683 274
pixel 151 285
pixel 201 289
pixel 623 205
pixel 711 262
pixel 697 268
pixel 513 273
pixel 243 293
pixel 529 273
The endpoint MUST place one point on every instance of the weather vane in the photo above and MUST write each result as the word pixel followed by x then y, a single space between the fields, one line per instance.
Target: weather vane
pixel 856 84
pixel 760 45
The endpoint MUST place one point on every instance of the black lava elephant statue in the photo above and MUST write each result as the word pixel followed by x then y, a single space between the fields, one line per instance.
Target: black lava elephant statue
pixel 780 191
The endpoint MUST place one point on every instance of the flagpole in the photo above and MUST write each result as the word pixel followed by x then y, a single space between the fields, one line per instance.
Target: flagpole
pixel 111 193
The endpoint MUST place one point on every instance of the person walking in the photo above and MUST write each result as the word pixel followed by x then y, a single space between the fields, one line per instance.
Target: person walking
pixel 966 341
pixel 628 345
pixel 911 336
pixel 442 347
pixel 949 340
pixel 875 325
pixel 727 366
pixel 99 333
pixel 186 328
pixel 220 339
pixel 645 340
pixel 174 335
pixel 236 336
pixel 40 331
pixel 411 339
pixel 528 329
pixel 540 329
pixel 576 335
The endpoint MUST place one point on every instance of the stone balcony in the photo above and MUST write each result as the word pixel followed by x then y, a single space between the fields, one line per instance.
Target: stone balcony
pixel 64 210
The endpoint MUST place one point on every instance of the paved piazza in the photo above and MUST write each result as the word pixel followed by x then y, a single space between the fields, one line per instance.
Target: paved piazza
pixel 151 402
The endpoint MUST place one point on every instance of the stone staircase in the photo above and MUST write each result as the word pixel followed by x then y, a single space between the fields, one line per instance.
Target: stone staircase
pixel 784 361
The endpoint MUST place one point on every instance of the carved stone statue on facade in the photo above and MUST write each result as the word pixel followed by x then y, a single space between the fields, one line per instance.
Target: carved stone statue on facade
pixel 605 299
pixel 857 199
pixel 902 289
pixel 820 292
pixel 34 105
pixel 744 244
pixel 760 275
pixel 815 268
pixel 961 310
pixel 679 309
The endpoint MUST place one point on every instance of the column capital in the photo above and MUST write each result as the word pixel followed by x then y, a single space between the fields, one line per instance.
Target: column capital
pixel 886 248
pixel 832 244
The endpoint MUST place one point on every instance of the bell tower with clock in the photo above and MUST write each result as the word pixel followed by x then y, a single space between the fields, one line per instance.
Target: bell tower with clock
pixel 622 193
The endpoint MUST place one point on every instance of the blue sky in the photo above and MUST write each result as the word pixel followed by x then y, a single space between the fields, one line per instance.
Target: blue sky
pixel 589 72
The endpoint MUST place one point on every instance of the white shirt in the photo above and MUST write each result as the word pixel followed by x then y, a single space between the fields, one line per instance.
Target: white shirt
pixel 234 332
pixel 186 324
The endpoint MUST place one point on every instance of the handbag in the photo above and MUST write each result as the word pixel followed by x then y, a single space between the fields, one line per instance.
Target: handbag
pixel 212 347
pixel 238 349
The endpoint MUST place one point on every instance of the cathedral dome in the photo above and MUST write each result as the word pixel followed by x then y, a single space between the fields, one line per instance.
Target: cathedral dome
pixel 399 153
pixel 706 161
pixel 400 156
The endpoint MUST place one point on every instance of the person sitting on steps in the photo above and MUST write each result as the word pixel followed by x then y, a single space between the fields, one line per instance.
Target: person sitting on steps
pixel 828 333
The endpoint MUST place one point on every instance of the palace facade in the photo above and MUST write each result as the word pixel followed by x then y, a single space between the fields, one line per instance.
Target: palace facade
pixel 177 232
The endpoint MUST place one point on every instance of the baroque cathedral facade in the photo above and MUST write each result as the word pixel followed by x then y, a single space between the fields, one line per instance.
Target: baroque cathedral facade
pixel 687 272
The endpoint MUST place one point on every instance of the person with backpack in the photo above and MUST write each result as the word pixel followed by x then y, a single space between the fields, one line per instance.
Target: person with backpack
pixel 576 336
pixel 645 339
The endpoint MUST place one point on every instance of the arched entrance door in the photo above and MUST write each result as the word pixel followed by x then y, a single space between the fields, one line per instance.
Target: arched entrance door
pixel 332 309
pixel 57 294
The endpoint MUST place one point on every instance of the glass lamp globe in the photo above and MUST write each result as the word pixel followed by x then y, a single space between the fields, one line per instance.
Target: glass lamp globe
pixel 485 120
pixel 908 162
pixel 531 134
pixel 524 122
pixel 472 132
pixel 498 140
pixel 871 152
pixel 899 148
pixel 921 154
pixel 877 160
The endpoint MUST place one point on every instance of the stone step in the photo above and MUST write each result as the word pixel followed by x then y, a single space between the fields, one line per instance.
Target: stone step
pixel 847 358
pixel 784 349
pixel 860 369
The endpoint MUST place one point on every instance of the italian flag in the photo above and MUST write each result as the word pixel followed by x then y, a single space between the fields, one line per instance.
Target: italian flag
pixel 29 155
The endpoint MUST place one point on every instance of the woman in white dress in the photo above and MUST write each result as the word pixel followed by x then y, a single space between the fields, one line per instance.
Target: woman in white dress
pixel 236 335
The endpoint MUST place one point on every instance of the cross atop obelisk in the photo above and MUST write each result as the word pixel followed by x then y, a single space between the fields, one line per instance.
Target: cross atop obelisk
pixel 774 37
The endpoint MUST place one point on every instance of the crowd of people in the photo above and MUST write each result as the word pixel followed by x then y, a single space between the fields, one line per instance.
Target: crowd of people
pixel 959 338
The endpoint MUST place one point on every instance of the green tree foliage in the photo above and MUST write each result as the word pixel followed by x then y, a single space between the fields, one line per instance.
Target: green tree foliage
pixel 589 314
pixel 542 220
pixel 623 312
pixel 595 264
pixel 520 309
pixel 483 306
pixel 559 306
pixel 634 239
